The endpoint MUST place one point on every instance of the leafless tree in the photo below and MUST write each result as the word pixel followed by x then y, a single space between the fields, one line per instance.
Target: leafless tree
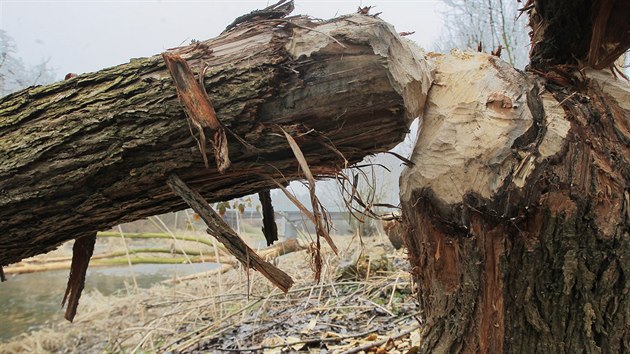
pixel 14 73
pixel 486 24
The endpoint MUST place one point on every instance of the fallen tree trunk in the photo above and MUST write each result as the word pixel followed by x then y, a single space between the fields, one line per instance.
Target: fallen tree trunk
pixel 96 150
pixel 517 211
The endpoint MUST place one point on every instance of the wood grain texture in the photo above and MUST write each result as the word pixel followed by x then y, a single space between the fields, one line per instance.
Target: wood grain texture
pixel 94 151
pixel 82 251
pixel 516 212
pixel 232 242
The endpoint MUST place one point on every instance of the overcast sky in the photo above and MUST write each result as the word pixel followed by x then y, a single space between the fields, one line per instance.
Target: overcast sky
pixel 85 36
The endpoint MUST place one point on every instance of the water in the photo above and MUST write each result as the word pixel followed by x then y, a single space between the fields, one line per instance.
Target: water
pixel 30 301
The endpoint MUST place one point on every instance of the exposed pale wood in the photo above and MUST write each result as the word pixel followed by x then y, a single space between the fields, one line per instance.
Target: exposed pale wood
pixel 199 109
pixel 94 151
pixel 476 111
pixel 516 211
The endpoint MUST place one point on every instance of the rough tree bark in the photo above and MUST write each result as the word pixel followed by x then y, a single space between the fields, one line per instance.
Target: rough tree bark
pixel 517 210
pixel 87 153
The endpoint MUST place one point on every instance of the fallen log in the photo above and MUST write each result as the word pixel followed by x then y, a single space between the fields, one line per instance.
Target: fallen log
pixel 84 154
pixel 148 257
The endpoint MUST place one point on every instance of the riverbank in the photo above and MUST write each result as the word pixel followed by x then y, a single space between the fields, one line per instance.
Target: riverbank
pixel 364 300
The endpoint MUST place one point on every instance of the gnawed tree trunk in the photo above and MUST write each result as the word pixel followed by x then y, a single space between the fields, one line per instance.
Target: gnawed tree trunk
pixel 517 211
pixel 96 150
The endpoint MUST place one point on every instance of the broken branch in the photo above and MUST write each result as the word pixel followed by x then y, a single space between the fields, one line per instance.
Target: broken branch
pixel 81 254
pixel 230 239
pixel 269 229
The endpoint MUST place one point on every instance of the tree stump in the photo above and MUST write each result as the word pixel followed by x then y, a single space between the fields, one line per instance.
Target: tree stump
pixel 517 211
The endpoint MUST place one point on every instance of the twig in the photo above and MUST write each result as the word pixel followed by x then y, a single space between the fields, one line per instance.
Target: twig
pixel 133 274
pixel 163 226
pixel 319 226
pixel 380 307
pixel 391 297
pixel 133 235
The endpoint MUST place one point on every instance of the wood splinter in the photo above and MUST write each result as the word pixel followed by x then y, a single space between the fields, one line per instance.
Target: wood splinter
pixel 269 228
pixel 199 109
pixel 81 254
pixel 230 239
pixel 2 277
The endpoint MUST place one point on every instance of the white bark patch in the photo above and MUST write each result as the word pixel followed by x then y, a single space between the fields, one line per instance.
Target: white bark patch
pixel 409 71
pixel 475 110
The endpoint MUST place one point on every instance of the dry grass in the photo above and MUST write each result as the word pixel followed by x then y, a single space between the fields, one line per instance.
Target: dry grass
pixel 351 306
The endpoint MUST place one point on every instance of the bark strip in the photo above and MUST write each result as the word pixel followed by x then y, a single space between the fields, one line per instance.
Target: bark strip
pixel 230 239
pixel 2 277
pixel 321 229
pixel 81 254
pixel 199 109
pixel 269 228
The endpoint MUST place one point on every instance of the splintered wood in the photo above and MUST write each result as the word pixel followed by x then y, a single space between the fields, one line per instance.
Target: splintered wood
pixel 321 227
pixel 230 239
pixel 200 111
pixel 269 229
pixel 81 254
pixel 358 98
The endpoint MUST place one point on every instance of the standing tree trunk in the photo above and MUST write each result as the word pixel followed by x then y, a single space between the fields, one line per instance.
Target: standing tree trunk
pixel 517 210
pixel 88 153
